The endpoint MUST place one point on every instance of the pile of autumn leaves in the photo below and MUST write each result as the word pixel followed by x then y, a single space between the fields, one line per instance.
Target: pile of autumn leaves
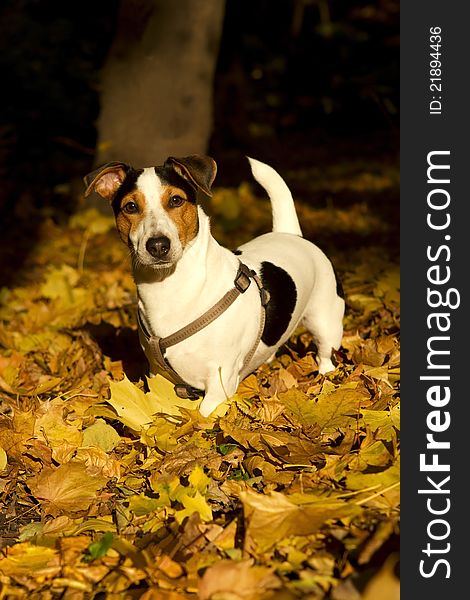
pixel 289 491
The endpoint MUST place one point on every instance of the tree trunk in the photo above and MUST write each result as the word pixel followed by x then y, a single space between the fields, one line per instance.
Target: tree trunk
pixel 156 95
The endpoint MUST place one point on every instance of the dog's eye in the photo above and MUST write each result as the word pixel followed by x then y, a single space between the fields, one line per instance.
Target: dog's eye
pixel 131 208
pixel 175 201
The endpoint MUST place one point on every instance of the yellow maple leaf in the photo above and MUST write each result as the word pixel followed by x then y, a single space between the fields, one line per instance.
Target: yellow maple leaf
pixel 195 503
pixel 198 479
pixel 136 408
pixel 141 505
pixel 166 399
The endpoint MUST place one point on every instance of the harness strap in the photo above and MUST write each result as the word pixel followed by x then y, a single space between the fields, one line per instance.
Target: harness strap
pixel 262 322
pixel 241 283
pixel 158 346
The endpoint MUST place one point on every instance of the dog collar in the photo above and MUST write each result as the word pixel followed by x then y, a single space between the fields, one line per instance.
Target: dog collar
pixel 158 345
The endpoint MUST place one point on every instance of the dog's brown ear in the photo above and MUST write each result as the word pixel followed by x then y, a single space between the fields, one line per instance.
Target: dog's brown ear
pixel 106 179
pixel 198 170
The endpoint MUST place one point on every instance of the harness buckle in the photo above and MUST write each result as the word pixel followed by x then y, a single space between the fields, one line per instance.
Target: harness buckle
pixel 242 280
pixel 187 392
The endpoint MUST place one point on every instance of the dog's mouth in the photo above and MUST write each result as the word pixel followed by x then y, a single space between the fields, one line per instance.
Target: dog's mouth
pixel 152 263
pixel 152 270
pixel 159 262
pixel 162 265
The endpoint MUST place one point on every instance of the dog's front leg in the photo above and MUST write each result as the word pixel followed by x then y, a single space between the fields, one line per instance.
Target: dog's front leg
pixel 222 384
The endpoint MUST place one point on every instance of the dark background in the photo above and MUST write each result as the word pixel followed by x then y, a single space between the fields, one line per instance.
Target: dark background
pixel 297 82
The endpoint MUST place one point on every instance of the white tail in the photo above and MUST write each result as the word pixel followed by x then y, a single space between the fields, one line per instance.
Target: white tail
pixel 285 218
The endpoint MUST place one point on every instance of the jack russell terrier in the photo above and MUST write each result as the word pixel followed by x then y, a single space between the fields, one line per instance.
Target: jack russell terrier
pixel 209 316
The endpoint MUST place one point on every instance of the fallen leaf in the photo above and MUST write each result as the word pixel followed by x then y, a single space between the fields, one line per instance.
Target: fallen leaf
pixel 381 480
pixel 25 558
pixel 271 518
pixel 3 459
pixel 237 581
pixel 165 398
pixel 52 427
pixel 374 454
pixel 136 408
pixel 67 488
pixel 381 534
pixel 386 420
pixel 198 479
pixel 333 408
pixel 98 462
pixel 249 387
pixel 193 503
pixel 101 435
pixel 171 568
pixel 143 505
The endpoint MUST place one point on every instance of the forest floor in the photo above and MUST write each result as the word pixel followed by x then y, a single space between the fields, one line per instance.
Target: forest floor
pixel 290 491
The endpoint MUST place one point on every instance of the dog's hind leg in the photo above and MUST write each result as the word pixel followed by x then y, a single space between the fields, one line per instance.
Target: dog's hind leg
pixel 325 323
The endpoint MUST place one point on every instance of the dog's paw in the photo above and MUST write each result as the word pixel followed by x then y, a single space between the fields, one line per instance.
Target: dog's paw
pixel 325 366
pixel 208 405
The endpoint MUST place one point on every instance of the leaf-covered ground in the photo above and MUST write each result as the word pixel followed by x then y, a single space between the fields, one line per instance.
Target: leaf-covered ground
pixel 111 491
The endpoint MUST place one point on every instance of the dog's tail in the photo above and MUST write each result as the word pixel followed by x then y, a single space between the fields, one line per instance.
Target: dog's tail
pixel 285 218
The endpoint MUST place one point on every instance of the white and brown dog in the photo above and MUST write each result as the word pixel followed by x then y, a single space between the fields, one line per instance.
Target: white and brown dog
pixel 202 325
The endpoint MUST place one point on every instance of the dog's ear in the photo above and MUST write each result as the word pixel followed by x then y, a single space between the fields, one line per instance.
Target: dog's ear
pixel 106 179
pixel 199 171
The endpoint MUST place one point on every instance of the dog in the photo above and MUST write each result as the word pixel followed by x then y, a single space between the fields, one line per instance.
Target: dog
pixel 209 316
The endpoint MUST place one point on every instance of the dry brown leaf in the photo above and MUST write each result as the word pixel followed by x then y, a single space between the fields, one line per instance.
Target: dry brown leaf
pixel 51 427
pixel 68 488
pixel 334 408
pixel 233 580
pixel 271 518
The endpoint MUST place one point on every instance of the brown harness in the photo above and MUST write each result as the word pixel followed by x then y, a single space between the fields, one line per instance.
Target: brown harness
pixel 157 346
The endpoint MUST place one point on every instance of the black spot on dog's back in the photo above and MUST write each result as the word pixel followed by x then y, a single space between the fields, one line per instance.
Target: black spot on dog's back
pixel 282 299
pixel 237 252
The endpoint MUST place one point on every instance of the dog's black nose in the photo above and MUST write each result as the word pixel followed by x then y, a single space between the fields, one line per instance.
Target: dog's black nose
pixel 158 247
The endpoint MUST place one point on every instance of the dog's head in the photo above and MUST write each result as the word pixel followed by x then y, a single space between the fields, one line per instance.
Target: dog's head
pixel 156 208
